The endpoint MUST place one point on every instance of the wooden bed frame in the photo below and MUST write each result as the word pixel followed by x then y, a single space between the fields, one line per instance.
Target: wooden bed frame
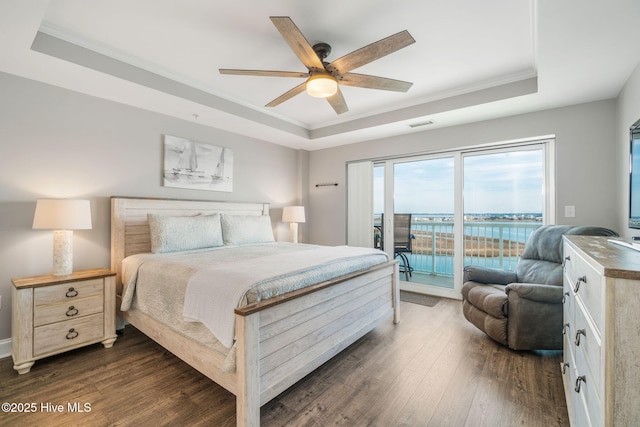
pixel 278 341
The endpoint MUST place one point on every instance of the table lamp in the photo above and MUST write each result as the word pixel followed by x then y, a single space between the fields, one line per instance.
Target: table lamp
pixel 294 215
pixel 63 216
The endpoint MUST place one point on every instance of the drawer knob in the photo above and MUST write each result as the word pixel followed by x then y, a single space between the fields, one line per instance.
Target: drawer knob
pixel 71 293
pixel 565 365
pixel 72 311
pixel 564 328
pixel 565 296
pixel 581 379
pixel 567 258
pixel 72 334
pixel 580 332
pixel 580 280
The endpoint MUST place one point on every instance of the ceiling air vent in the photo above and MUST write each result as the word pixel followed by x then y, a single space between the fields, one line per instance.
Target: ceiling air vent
pixel 417 125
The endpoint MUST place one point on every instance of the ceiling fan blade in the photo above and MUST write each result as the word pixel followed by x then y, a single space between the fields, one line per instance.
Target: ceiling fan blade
pixel 297 42
pixel 288 95
pixel 338 103
pixel 264 73
pixel 371 52
pixel 374 82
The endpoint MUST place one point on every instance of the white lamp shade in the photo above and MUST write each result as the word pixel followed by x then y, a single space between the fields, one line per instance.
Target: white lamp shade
pixel 62 214
pixel 293 214
pixel 322 85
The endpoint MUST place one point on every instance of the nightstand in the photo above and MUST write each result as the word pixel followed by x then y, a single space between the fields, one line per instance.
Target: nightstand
pixel 54 314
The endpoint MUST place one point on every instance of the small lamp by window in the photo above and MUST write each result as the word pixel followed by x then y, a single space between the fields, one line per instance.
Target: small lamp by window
pixel 294 215
pixel 63 216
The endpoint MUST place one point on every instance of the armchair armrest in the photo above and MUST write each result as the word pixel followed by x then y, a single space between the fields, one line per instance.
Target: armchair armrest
pixel 535 316
pixel 549 294
pixel 487 275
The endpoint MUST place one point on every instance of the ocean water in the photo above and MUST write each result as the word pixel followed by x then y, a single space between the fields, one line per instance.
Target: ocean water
pixel 507 231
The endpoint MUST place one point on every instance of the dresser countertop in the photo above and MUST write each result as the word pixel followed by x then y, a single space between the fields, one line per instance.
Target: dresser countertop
pixel 617 261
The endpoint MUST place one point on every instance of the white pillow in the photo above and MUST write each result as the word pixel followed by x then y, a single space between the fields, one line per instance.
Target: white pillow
pixel 245 229
pixel 182 233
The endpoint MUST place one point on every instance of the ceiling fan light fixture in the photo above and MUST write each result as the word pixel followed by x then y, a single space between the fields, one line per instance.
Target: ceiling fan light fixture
pixel 322 85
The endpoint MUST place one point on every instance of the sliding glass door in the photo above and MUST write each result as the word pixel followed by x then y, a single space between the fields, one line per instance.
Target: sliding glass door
pixel 503 204
pixel 418 193
pixel 424 192
pixel 464 207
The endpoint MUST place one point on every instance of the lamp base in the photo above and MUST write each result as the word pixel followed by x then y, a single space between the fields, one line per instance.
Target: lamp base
pixel 62 252
pixel 293 227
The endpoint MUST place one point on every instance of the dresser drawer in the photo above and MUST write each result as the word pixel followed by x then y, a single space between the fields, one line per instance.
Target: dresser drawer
pixel 590 291
pixel 569 262
pixel 568 366
pixel 581 414
pixel 67 334
pixel 587 393
pixel 588 349
pixel 568 308
pixel 72 309
pixel 67 292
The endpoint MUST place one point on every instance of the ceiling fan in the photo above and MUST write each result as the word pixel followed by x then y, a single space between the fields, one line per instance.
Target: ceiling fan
pixel 323 79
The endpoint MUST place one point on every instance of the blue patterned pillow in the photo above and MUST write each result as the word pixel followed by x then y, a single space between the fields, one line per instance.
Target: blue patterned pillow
pixel 246 229
pixel 182 233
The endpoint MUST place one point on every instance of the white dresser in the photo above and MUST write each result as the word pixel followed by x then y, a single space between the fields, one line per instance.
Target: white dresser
pixel 601 363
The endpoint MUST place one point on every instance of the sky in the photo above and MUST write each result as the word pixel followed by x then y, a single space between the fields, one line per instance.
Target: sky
pixel 507 182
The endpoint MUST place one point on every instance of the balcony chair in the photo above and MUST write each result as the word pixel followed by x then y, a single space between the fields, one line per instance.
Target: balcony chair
pixel 522 309
pixel 402 238
pixel 402 242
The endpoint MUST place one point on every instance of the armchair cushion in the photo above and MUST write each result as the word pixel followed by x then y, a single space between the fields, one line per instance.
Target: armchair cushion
pixel 539 271
pixel 478 274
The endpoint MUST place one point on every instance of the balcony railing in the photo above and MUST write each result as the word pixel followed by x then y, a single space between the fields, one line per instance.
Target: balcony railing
pixel 486 243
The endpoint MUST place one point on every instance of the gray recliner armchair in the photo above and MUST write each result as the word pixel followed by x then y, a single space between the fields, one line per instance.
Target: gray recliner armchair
pixel 522 309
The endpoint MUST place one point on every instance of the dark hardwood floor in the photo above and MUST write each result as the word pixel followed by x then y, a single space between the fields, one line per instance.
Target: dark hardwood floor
pixel 433 369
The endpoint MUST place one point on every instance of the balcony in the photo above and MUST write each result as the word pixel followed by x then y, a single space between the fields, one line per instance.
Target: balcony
pixel 497 244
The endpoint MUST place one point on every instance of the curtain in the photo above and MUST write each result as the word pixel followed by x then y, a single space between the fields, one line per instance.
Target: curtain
pixel 360 204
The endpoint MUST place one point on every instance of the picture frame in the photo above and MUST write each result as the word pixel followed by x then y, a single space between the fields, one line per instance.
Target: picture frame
pixel 197 165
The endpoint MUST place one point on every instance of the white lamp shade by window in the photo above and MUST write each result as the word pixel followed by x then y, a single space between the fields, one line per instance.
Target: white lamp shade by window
pixel 294 215
pixel 62 216
pixel 322 85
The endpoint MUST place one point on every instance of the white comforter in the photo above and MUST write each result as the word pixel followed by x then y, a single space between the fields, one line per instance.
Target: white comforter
pixel 220 280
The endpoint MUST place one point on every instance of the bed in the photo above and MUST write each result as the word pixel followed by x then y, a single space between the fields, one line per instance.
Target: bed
pixel 277 340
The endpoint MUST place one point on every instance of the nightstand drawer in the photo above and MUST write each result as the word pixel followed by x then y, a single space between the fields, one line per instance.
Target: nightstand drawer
pixel 58 336
pixel 73 309
pixel 67 291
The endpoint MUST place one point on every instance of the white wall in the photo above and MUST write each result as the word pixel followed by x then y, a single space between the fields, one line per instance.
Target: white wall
pixel 57 143
pixel 628 112
pixel 585 155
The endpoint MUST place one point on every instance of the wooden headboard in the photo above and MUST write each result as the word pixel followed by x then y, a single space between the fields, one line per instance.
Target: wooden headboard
pixel 130 229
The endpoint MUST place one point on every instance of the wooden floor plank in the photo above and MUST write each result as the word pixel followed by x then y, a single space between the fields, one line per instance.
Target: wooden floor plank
pixel 432 369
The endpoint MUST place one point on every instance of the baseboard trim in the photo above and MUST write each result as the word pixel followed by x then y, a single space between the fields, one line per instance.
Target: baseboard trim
pixel 5 348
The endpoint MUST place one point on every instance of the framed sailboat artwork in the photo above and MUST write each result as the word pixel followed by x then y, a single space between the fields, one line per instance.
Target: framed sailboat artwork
pixel 197 165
